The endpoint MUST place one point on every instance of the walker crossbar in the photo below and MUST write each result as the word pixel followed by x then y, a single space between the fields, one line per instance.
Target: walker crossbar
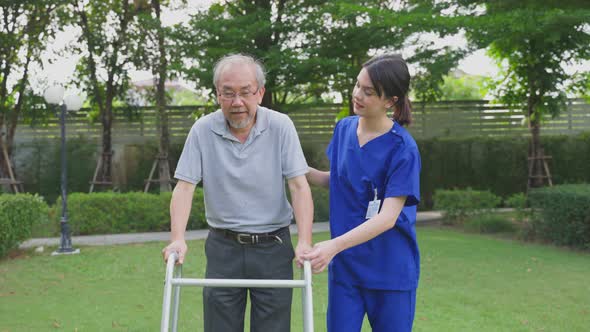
pixel 174 280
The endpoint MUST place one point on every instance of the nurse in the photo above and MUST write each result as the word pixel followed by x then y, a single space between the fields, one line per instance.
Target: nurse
pixel 374 182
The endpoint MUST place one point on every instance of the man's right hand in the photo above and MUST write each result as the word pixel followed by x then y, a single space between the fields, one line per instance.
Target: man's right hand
pixel 178 246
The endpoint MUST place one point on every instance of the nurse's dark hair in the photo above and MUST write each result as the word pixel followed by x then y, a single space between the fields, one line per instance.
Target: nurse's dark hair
pixel 390 77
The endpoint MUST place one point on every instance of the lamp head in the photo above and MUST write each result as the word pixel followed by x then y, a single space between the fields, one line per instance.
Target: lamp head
pixel 73 102
pixel 54 95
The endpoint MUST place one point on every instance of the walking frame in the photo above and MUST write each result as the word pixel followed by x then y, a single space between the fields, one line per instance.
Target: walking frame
pixel 174 281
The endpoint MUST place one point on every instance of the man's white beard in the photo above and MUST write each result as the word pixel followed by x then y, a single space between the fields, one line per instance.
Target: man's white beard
pixel 240 124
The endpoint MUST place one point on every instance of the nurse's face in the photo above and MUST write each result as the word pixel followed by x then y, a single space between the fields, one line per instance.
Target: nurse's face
pixel 366 102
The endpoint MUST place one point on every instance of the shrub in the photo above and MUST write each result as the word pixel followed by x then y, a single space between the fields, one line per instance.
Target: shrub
pixel 498 164
pixel 321 204
pixel 18 214
pixel 446 163
pixel 562 214
pixel 526 231
pixel 108 212
pixel 456 205
pixel 49 226
pixel 489 223
pixel 518 202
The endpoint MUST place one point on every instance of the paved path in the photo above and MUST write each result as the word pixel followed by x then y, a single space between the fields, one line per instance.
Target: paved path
pixel 112 239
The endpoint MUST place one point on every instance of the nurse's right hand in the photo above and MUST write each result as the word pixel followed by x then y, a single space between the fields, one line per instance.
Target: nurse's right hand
pixel 321 255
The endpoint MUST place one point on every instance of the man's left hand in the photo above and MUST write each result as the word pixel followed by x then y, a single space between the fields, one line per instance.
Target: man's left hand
pixel 301 249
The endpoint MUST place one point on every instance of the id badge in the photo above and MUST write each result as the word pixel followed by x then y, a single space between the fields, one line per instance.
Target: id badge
pixel 373 208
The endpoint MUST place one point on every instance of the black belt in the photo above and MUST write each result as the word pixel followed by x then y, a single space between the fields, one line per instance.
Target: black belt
pixel 251 238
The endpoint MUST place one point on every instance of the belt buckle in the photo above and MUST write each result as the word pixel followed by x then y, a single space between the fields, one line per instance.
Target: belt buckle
pixel 239 237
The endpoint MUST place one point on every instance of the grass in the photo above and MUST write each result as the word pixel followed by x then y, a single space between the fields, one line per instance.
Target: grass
pixel 490 223
pixel 469 282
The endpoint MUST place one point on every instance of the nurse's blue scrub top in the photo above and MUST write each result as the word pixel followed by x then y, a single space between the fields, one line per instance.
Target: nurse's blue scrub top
pixel 391 164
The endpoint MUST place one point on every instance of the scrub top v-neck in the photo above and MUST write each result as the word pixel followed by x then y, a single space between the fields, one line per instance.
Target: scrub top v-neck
pixel 390 165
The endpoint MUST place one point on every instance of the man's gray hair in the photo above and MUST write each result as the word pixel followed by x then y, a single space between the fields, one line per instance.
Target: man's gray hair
pixel 239 59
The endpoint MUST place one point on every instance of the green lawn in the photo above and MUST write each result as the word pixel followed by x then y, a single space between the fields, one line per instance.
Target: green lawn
pixel 469 283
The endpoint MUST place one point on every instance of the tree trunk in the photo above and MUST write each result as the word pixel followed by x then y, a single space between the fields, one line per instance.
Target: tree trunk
pixel 92 67
pixel 4 173
pixel 536 152
pixel 264 42
pixel 98 98
pixel 13 120
pixel 535 148
pixel 163 165
pixel 267 99
pixel 107 146
pixel 104 173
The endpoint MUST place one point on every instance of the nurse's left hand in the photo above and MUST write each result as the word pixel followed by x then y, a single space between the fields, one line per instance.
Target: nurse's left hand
pixel 321 255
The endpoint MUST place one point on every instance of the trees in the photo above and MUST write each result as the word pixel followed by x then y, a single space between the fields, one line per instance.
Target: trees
pixel 155 59
pixel 161 70
pixel 339 36
pixel 535 38
pixel 25 27
pixel 309 46
pixel 463 87
pixel 108 43
pixel 348 32
pixel 260 28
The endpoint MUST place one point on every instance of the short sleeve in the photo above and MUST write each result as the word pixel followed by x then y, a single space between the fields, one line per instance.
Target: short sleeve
pixel 330 148
pixel 403 178
pixel 293 161
pixel 190 164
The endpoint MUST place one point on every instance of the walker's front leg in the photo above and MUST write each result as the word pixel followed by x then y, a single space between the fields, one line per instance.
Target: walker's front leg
pixel 307 299
pixel 165 324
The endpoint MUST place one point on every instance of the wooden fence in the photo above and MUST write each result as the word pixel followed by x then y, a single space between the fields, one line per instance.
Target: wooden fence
pixel 315 123
pixel 483 118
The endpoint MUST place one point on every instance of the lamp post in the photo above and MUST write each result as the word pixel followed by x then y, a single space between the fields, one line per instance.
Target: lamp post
pixel 54 96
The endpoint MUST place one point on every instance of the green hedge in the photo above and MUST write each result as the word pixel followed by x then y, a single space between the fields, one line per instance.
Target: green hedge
pixel 321 204
pixel 111 213
pixel 108 212
pixel 457 204
pixel 562 214
pixel 18 214
pixel 498 164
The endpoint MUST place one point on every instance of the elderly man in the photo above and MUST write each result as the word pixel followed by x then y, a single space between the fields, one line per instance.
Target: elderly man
pixel 243 153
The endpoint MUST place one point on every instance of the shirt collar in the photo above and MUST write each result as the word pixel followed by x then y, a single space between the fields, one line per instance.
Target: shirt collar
pixel 398 131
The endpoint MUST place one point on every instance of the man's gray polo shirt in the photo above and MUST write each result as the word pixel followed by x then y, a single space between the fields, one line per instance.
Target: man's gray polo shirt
pixel 243 184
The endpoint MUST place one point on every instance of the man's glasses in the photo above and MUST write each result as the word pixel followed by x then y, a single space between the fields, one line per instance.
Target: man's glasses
pixel 230 95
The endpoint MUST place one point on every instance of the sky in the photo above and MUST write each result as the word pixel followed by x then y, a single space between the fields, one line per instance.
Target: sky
pixel 60 71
